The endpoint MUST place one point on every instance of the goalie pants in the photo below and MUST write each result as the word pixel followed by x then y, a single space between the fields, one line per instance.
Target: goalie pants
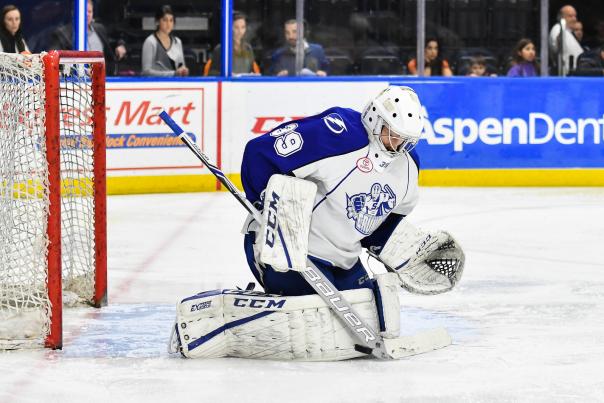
pixel 292 283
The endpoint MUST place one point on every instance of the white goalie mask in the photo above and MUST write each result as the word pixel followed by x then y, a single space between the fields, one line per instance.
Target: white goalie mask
pixel 399 111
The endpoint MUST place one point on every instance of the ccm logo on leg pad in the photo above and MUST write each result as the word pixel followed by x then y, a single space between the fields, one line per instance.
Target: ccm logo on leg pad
pixel 271 223
pixel 259 303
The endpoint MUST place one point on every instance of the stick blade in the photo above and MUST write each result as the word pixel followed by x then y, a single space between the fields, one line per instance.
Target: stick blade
pixel 419 343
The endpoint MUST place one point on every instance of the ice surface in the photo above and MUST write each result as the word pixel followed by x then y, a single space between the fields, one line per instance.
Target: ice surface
pixel 527 318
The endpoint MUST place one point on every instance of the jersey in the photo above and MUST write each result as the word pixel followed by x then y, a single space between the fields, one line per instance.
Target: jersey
pixel 358 185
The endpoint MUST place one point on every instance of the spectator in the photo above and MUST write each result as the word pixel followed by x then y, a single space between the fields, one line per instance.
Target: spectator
pixel 243 54
pixel 478 68
pixel 524 64
pixel 162 51
pixel 284 59
pixel 578 32
pixel 598 38
pixel 434 64
pixel 11 40
pixel 97 40
pixel 565 48
pixel 591 63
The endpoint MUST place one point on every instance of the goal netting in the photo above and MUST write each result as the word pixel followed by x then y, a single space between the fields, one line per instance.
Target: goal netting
pixel 52 192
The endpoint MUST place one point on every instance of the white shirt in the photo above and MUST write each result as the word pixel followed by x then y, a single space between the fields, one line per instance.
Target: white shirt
pixel 571 47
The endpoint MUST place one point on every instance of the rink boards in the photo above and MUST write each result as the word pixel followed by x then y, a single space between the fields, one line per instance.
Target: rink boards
pixel 478 132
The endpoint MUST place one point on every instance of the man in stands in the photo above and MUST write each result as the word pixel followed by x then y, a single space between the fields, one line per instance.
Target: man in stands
pixel 579 34
pixel 283 61
pixel 565 47
pixel 62 39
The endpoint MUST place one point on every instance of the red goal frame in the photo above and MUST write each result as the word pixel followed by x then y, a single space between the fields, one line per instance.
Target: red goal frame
pixel 52 61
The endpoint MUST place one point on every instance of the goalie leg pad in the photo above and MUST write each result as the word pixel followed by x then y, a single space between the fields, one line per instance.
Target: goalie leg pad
pixel 200 315
pixel 283 236
pixel 250 324
pixel 386 287
pixel 427 263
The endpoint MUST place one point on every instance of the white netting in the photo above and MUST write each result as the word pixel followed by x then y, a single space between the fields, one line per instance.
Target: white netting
pixel 24 195
pixel 23 199
pixel 77 186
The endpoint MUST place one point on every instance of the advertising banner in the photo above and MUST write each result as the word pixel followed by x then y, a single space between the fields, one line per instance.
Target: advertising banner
pixel 470 123
pixel 512 123
pixel 254 108
pixel 138 141
pixel 533 128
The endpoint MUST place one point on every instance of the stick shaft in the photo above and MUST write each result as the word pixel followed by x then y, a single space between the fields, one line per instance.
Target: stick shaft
pixel 178 131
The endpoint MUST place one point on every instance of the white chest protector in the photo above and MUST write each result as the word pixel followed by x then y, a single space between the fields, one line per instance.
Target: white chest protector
pixel 355 193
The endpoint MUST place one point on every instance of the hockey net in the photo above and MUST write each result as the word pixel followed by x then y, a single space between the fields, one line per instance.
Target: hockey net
pixel 52 192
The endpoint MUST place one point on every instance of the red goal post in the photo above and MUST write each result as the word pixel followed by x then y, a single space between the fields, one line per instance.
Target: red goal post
pixel 52 192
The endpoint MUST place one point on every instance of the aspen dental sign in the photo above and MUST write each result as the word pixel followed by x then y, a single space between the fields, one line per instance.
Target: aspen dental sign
pixel 512 123
pixel 539 128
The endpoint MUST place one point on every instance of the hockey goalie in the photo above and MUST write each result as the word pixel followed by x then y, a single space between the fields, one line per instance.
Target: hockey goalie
pixel 328 186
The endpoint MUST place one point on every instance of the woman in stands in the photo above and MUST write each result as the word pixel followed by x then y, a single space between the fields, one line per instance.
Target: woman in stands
pixel 162 51
pixel 434 64
pixel 243 55
pixel 11 39
pixel 523 63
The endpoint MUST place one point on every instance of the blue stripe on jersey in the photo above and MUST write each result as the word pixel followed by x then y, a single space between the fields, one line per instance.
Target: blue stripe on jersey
pixel 335 187
pixel 413 153
pixel 322 138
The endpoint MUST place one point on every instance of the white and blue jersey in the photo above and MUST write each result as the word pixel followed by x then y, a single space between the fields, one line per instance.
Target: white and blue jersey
pixel 359 185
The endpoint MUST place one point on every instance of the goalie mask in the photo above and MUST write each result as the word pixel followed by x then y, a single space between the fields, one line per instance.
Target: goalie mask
pixel 394 120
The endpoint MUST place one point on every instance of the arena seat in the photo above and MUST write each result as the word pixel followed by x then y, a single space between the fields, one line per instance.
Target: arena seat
pixel 380 61
pixel 340 62
pixel 131 65
pixel 589 64
pixel 464 57
pixel 194 66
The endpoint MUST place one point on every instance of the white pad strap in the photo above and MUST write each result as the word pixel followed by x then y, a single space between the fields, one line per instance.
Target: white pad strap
pixel 288 204
pixel 426 263
pixel 250 324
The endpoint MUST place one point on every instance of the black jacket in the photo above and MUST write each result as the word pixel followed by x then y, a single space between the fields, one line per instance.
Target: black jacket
pixel 590 63
pixel 61 39
pixel 10 43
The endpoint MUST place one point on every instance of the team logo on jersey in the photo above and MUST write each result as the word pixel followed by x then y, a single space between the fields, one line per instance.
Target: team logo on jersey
pixel 284 130
pixel 368 209
pixel 335 123
pixel 364 164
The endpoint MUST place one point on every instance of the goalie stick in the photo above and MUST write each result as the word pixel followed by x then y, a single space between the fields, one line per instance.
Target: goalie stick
pixel 370 341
